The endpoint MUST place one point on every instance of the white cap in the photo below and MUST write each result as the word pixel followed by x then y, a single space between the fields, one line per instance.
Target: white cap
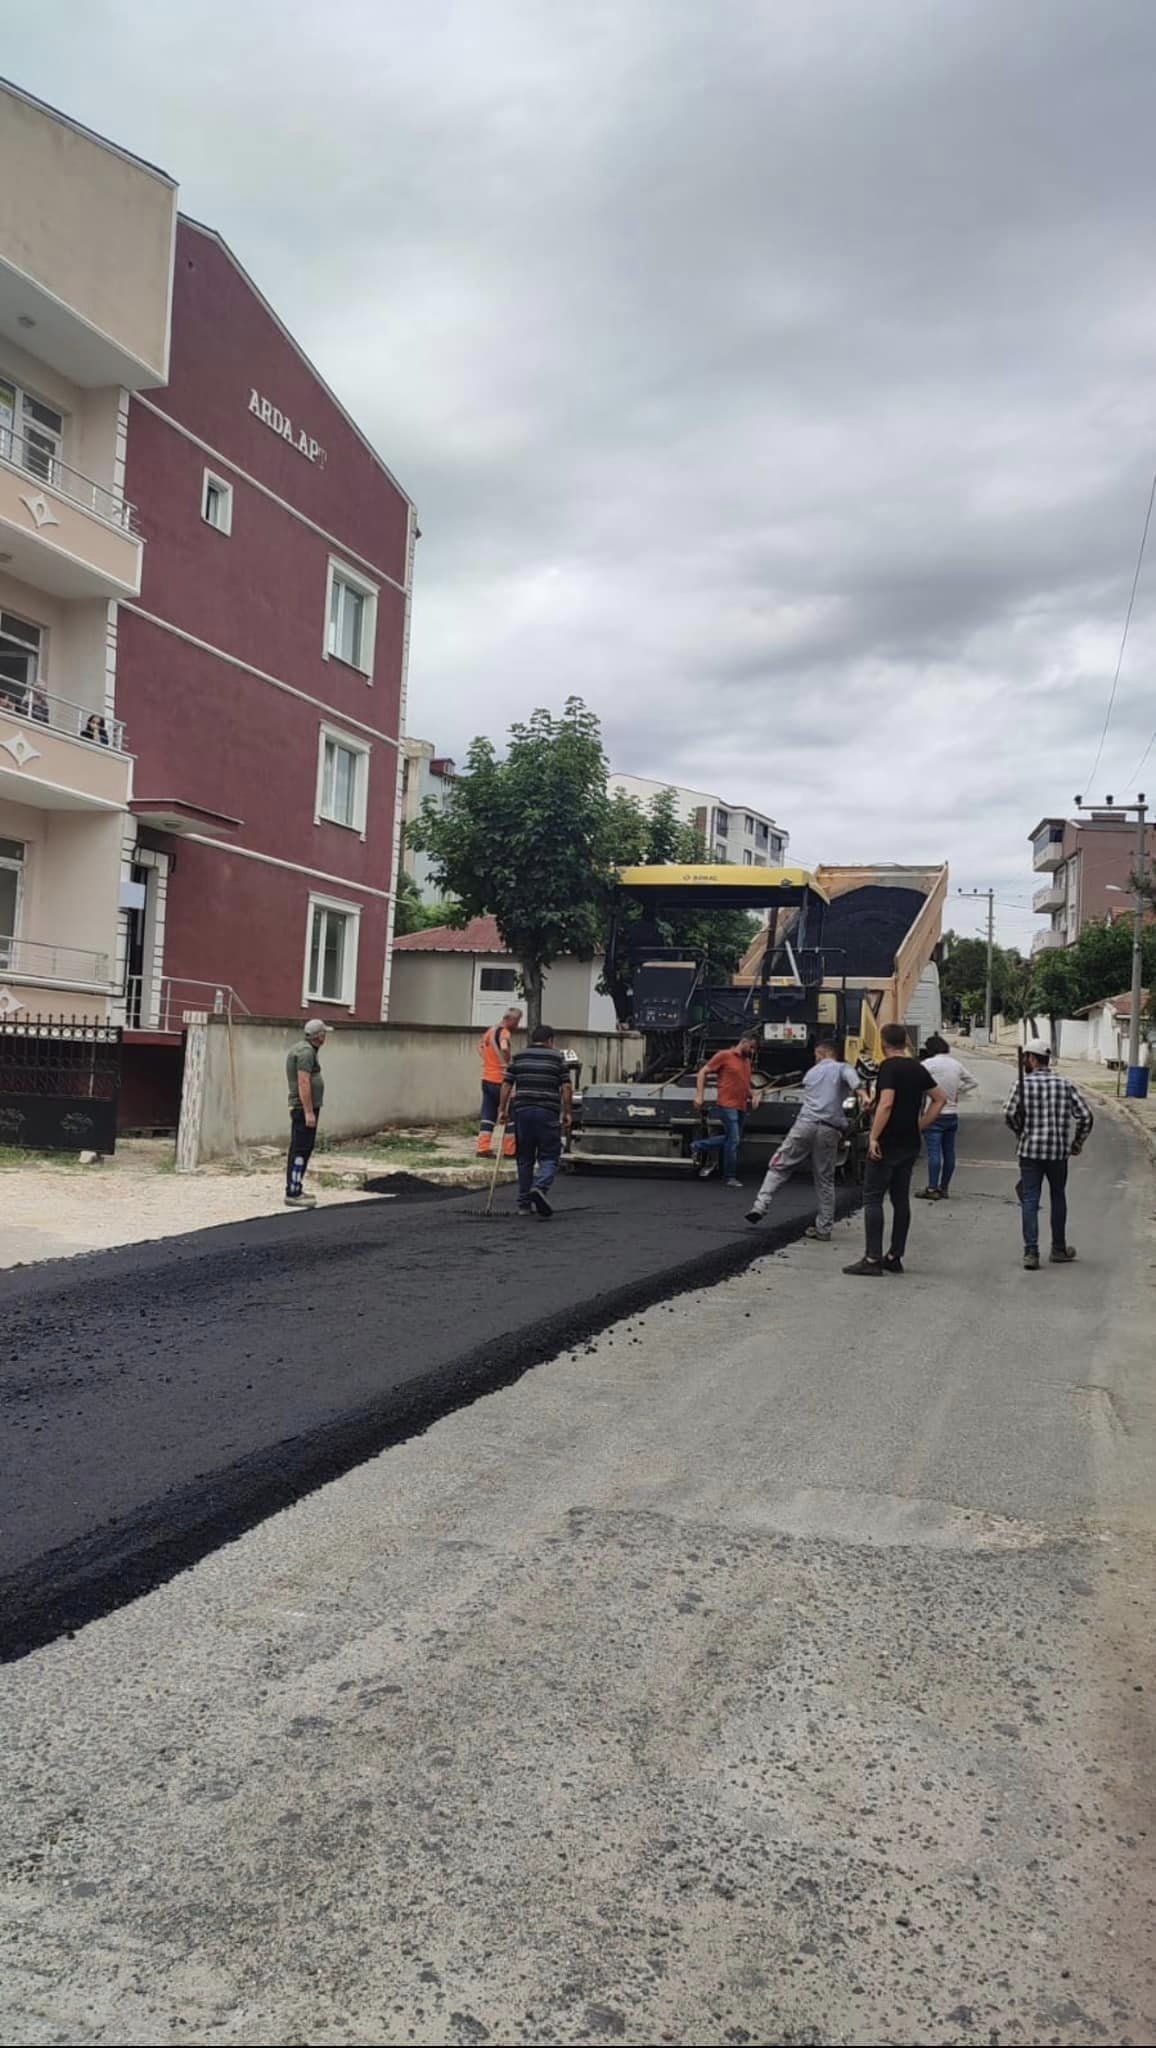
pixel 1040 1047
pixel 316 1027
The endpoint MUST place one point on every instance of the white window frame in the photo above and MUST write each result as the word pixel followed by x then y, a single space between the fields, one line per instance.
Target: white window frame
pixel 211 480
pixel 341 572
pixel 348 997
pixel 333 735
pixel 21 426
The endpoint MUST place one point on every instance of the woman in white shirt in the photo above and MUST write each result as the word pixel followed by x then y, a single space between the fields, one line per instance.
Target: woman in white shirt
pixel 952 1076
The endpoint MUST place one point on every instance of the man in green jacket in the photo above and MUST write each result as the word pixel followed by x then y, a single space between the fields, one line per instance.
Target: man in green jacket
pixel 306 1094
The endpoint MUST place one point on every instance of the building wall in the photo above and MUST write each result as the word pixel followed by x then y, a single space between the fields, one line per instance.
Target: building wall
pixel 699 808
pixel 71 873
pixel 223 675
pixel 438 988
pixel 91 225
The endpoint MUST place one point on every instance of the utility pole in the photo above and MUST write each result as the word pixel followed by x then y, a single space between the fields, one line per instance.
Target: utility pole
pixel 1137 1083
pixel 990 894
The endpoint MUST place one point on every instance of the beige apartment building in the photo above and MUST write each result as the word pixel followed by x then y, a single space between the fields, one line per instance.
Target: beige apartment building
pixel 86 246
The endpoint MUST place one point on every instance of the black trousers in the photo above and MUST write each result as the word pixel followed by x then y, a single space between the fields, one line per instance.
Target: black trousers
pixel 302 1139
pixel 888 1177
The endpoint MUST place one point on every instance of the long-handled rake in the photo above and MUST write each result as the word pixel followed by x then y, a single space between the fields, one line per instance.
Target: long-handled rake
pixel 503 1215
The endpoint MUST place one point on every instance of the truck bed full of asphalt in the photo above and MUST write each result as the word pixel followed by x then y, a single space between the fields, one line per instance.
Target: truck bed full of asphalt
pixel 161 1398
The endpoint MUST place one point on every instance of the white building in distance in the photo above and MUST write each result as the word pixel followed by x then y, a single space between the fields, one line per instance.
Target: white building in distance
pixel 734 832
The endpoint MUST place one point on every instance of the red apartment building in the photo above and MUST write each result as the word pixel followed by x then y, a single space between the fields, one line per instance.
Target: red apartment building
pixel 205 576
pixel 260 674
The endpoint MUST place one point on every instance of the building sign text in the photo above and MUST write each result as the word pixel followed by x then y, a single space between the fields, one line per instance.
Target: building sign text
pixel 271 416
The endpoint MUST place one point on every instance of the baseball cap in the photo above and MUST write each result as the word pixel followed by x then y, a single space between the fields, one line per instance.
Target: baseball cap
pixel 316 1025
pixel 1040 1047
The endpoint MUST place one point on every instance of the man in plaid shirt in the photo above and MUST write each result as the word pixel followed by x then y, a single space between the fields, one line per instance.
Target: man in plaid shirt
pixel 1052 1120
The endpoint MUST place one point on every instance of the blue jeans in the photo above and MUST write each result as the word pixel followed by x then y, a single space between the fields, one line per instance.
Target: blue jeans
pixel 539 1138
pixel 725 1141
pixel 1033 1174
pixel 940 1138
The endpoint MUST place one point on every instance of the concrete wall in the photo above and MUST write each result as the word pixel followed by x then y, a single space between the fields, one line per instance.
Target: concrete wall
pixel 374 1075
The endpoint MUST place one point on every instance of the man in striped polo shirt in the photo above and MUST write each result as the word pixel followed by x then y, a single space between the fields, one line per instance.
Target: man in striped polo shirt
pixel 539 1081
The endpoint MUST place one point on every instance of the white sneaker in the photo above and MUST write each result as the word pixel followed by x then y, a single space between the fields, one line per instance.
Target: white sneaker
pixel 734 1183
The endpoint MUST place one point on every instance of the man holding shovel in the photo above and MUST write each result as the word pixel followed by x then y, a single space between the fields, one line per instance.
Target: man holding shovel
pixel 538 1079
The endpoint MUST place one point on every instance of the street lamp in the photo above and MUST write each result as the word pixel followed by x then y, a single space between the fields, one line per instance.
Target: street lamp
pixel 1137 1076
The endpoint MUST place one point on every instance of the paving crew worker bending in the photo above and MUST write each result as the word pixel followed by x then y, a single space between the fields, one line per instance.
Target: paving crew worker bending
pixel 732 1102
pixel 539 1081
pixel 494 1053
pixel 306 1094
pixel 815 1135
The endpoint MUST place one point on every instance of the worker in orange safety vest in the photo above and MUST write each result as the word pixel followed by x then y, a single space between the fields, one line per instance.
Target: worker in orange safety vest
pixel 494 1053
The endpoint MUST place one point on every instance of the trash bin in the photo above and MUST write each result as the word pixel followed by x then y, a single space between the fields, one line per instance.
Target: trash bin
pixel 1137 1084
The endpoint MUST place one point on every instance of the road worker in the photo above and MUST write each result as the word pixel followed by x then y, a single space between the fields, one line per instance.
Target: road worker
pixel 494 1053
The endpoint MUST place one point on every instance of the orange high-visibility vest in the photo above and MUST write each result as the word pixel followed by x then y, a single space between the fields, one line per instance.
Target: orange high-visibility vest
pixel 493 1066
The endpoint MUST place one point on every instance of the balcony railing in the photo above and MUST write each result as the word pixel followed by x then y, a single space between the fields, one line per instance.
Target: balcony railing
pixel 34 458
pixel 80 721
pixel 40 960
pixel 1047 941
pixel 1047 853
pixel 161 1005
pixel 1050 897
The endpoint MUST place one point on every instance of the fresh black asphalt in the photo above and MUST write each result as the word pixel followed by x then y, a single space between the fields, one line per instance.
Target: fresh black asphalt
pixel 159 1399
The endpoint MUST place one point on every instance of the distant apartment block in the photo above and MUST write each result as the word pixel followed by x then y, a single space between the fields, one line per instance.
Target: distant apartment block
pixel 1088 863
pixel 734 832
pixel 425 774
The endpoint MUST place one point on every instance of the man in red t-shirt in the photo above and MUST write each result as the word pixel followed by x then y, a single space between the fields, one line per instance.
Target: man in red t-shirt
pixel 733 1068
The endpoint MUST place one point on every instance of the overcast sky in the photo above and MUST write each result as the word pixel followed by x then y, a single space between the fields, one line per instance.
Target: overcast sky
pixel 781 378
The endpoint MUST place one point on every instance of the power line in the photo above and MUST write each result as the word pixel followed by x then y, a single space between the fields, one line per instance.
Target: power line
pixel 1090 780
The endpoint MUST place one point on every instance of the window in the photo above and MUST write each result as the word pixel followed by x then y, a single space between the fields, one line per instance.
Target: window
pixel 761 834
pixel 30 432
pixel 331 952
pixel 350 618
pixel 498 980
pixel 342 780
pixel 776 851
pixel 748 824
pixel 20 648
pixel 11 882
pixel 748 857
pixel 722 824
pixel 217 503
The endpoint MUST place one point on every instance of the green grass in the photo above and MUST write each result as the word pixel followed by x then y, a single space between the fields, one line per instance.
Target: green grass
pixel 27 1155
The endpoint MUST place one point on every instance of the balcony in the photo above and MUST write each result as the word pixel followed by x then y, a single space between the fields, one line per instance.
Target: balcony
pixel 45 965
pixel 1052 896
pixel 60 531
pixel 60 756
pixel 1048 941
pixel 1047 854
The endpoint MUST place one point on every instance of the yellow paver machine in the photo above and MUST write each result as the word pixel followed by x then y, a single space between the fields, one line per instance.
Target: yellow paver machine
pixel 841 951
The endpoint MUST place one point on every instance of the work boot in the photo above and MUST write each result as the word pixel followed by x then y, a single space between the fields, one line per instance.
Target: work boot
pixel 1031 1262
pixel 1062 1254
pixel 927 1194
pixel 300 1201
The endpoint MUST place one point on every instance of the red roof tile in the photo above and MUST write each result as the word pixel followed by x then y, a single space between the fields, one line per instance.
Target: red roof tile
pixel 480 935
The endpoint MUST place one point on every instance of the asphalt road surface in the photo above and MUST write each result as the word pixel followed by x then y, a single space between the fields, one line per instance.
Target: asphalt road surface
pixel 777 1667
pixel 161 1398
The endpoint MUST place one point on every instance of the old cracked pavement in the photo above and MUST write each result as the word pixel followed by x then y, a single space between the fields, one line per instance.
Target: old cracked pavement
pixel 775 1667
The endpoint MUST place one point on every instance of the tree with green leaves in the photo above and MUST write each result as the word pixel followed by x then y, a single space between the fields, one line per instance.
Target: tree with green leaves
pixel 526 839
pixel 412 915
pixel 963 968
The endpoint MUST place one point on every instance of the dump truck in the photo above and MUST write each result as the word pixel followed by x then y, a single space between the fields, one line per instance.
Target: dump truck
pixel 842 951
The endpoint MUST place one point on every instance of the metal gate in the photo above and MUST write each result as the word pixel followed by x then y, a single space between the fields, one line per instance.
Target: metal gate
pixel 59 1083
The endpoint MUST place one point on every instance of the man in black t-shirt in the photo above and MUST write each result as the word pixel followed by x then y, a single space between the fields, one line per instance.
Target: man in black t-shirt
pixel 907 1099
pixel 539 1081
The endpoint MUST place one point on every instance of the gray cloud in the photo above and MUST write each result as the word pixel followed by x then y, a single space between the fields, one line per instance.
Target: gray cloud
pixel 778 379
